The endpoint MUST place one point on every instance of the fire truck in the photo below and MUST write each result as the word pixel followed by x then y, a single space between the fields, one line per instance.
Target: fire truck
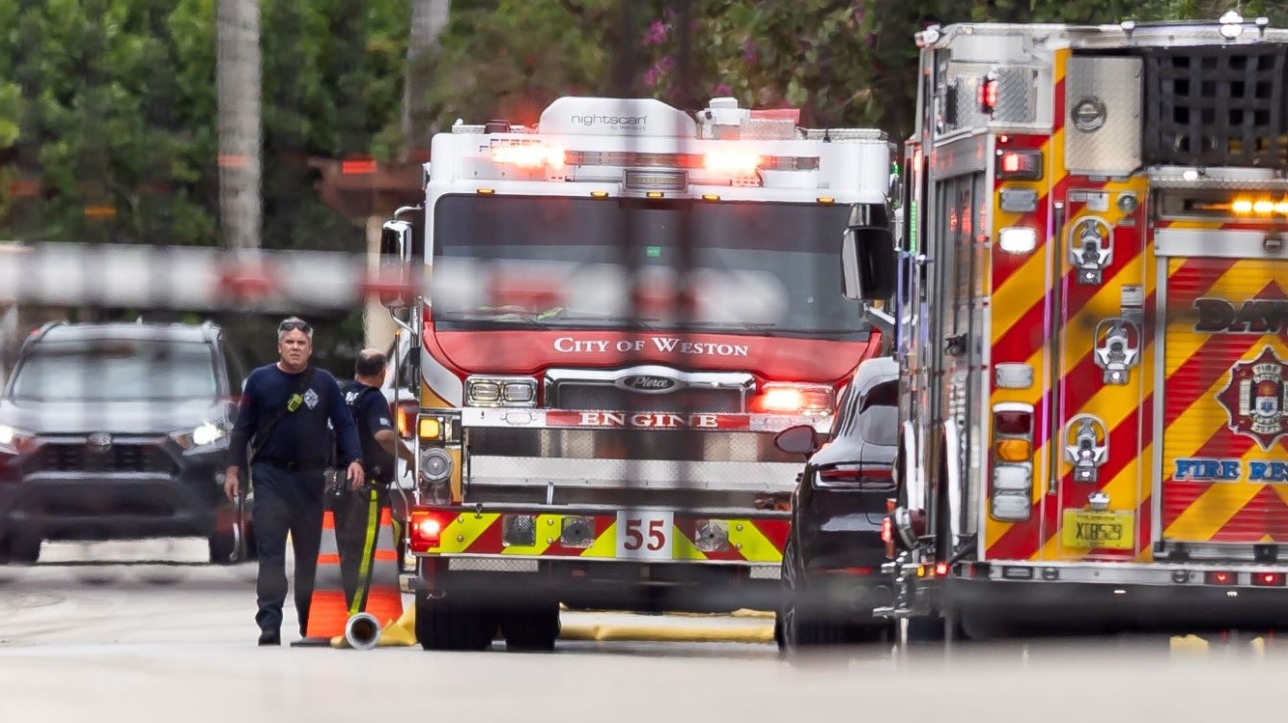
pixel 625 303
pixel 1089 311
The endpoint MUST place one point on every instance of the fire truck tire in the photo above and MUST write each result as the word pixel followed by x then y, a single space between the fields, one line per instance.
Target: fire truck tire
pixel 531 627
pixel 453 624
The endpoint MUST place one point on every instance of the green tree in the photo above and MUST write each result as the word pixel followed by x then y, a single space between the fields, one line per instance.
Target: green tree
pixel 108 125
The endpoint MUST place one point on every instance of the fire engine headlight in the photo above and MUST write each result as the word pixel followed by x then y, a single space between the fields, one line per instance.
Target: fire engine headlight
pixel 500 392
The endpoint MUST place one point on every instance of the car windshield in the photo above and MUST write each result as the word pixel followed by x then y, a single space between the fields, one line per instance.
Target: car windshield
pixel 784 250
pixel 877 420
pixel 116 370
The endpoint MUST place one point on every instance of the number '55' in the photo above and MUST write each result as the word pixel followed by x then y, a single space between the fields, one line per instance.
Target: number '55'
pixel 635 534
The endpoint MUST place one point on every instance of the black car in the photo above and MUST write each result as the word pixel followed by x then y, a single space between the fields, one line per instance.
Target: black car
pixel 831 570
pixel 118 432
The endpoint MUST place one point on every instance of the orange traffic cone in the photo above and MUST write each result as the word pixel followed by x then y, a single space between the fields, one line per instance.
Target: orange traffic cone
pixel 328 613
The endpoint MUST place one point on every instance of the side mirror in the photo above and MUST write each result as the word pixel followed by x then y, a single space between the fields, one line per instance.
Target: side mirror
pixel 801 439
pixel 396 238
pixel 867 264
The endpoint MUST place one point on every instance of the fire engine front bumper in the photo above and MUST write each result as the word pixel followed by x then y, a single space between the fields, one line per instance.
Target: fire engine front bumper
pixel 527 448
pixel 1151 593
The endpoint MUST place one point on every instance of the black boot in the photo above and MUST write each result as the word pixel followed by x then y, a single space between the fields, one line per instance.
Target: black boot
pixel 268 636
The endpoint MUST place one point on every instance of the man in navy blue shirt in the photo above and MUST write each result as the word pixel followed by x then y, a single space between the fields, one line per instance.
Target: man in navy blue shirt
pixel 284 414
pixel 357 514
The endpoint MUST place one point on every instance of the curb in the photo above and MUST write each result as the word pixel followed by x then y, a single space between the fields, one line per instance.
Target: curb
pixel 671 633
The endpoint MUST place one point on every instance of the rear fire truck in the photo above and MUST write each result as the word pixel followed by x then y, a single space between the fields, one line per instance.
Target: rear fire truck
pixel 1090 306
pixel 625 303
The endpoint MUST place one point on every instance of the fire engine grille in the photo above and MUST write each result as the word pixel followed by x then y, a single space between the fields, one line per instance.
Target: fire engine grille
pixel 119 458
pixel 605 397
pixel 1221 106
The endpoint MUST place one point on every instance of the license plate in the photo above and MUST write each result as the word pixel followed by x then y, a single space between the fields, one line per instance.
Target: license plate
pixel 1086 530
pixel 645 534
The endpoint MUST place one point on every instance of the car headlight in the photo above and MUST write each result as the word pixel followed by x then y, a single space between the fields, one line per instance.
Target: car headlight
pixel 204 435
pixel 12 438
pixel 500 392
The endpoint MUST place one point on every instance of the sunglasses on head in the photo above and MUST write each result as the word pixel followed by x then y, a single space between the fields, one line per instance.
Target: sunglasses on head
pixel 294 325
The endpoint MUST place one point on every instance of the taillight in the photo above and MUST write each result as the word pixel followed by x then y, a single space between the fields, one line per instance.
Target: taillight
pixel 1012 491
pixel 426 529
pixel 807 399
pixel 887 528
pixel 875 476
pixel 1220 577
pixel 1268 579
pixel 405 418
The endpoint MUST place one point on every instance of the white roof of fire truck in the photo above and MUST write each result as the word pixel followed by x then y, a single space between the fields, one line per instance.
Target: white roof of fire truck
pixel 646 148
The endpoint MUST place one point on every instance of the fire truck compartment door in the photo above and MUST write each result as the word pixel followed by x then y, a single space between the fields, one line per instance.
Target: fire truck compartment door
pixel 1222 405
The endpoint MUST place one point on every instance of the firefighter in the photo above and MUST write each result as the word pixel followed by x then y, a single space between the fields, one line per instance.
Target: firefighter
pixel 358 511
pixel 283 417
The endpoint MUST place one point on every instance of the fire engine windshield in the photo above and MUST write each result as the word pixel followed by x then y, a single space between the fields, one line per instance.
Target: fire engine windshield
pixel 787 251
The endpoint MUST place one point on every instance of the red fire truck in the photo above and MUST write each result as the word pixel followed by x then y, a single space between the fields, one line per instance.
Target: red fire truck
pixel 1090 307
pixel 625 303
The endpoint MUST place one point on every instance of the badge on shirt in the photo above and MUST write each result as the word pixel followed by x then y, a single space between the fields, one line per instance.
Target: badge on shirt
pixel 311 398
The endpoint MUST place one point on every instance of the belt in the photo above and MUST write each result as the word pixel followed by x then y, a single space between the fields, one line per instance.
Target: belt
pixel 294 465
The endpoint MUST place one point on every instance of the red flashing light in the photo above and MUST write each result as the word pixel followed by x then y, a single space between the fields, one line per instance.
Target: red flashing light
pixel 988 93
pixel 793 399
pixel 426 529
pixel 941 569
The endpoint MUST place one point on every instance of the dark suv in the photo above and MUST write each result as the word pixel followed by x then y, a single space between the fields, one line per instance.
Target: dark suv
pixel 832 562
pixel 118 432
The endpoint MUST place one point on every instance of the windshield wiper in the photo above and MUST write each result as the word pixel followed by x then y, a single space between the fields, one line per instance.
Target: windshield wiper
pixel 500 314
pixel 564 314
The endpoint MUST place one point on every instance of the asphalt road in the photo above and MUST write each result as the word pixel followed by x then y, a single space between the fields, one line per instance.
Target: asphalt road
pixel 135 644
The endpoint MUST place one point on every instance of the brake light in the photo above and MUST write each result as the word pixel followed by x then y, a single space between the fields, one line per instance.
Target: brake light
pixel 1019 165
pixel 529 156
pixel 426 527
pixel 1268 579
pixel 809 399
pixel 1012 422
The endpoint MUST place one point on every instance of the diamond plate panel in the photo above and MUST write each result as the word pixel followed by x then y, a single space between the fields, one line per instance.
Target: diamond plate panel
pixel 1102 131
pixel 1016 96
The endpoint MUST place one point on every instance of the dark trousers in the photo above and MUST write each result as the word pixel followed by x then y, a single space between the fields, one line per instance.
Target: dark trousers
pixel 286 502
pixel 357 530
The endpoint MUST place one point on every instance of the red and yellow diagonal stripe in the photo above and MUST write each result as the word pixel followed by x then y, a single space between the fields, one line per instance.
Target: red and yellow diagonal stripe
pixel 1199 367
pixel 750 540
pixel 1019 305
